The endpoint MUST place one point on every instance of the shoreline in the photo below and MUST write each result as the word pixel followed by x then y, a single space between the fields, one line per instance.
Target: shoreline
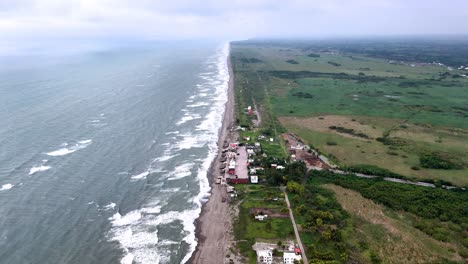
pixel 213 226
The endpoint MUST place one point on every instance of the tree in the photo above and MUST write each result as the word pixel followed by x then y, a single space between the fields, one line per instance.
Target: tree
pixel 268 226
pixel 295 171
pixel 274 177
pixel 319 222
pixel 295 187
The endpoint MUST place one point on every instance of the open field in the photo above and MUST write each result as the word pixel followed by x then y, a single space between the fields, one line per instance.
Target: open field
pixel 399 159
pixel 247 230
pixel 390 238
pixel 420 105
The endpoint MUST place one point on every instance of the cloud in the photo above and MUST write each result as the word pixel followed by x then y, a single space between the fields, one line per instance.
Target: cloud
pixel 41 20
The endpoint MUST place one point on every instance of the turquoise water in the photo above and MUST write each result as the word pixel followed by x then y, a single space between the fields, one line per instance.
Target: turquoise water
pixel 103 155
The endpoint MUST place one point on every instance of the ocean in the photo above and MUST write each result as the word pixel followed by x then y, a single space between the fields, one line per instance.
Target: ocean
pixel 104 154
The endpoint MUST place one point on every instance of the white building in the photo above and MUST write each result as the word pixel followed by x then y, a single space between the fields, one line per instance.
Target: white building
pixel 265 256
pixel 254 179
pixel 289 257
pixel 261 217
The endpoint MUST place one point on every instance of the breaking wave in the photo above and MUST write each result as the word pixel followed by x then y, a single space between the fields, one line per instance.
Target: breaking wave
pixel 70 149
pixel 137 231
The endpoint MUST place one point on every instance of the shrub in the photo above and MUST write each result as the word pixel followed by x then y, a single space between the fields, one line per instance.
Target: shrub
pixel 440 160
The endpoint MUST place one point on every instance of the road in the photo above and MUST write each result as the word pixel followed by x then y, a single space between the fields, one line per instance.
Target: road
pixel 298 238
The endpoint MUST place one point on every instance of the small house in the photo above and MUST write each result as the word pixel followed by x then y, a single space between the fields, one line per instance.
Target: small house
pixel 253 179
pixel 261 217
pixel 290 257
pixel 265 256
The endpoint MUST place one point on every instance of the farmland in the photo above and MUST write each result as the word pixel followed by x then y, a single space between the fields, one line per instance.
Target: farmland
pixel 412 116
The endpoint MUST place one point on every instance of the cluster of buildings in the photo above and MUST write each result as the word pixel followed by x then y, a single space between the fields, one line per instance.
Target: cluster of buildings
pixel 265 253
pixel 236 158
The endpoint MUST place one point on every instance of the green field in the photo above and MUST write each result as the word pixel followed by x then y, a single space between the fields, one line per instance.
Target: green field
pixel 411 110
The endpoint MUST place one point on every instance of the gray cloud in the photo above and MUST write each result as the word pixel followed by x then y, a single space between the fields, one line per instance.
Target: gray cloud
pixel 41 20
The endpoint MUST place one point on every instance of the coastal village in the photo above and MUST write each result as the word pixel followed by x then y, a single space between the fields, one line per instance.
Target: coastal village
pixel 240 166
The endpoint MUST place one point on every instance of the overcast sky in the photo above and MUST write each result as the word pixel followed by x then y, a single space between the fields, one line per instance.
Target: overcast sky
pixel 33 21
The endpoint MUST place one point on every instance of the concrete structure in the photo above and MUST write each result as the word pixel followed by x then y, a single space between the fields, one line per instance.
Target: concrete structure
pixel 240 173
pixel 253 179
pixel 289 257
pixel 265 256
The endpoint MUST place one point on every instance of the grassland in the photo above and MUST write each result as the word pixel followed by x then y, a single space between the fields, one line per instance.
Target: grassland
pixel 419 106
pixel 392 239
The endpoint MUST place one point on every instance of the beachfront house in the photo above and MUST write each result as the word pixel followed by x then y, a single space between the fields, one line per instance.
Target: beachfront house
pixel 265 256
pixel 290 257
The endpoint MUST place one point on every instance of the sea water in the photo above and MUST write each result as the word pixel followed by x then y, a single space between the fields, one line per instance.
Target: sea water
pixel 104 154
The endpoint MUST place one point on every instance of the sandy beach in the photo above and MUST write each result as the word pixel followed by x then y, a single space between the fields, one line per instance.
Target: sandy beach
pixel 214 223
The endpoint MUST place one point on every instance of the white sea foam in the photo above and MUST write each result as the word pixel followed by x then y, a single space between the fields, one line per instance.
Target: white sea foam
pixel 198 104
pixel 140 176
pixel 187 117
pixel 130 218
pixel 136 235
pixel 189 141
pixel 68 150
pixel 165 157
pixel 38 169
pixel 135 231
pixel 110 206
pixel 181 171
pixel 7 186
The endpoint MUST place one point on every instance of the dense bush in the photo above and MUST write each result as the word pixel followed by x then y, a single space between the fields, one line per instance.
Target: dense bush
pixel 429 203
pixel 349 131
pixel 373 170
pixel 440 160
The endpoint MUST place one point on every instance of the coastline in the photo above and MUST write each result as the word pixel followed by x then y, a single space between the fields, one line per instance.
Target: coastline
pixel 214 223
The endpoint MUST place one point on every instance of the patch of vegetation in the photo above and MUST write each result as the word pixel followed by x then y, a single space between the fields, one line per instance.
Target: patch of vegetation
pixel 393 141
pixel 250 60
pixel 440 160
pixel 336 64
pixel 440 207
pixel 323 224
pixel 349 131
pixel 373 170
pixel 247 230
pixel 292 61
pixel 313 55
pixel 303 95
